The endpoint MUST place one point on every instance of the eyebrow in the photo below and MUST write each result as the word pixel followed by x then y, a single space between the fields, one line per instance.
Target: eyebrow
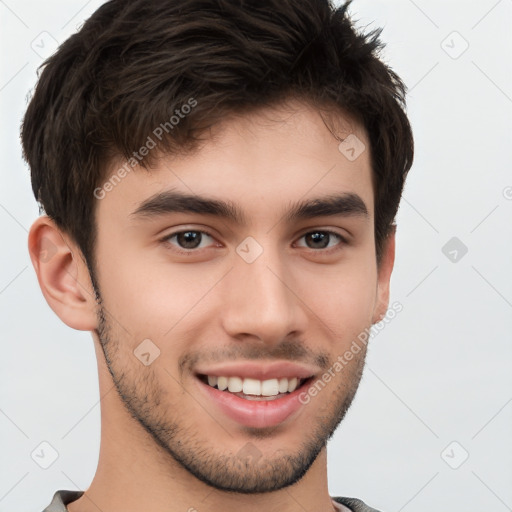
pixel 345 204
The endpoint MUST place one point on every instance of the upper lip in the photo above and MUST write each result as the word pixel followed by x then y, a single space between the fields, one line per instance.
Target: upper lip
pixel 259 371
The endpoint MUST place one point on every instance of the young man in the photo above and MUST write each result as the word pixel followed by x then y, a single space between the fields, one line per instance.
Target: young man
pixel 219 180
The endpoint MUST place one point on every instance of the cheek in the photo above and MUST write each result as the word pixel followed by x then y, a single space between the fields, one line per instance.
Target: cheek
pixel 150 297
pixel 346 288
pixel 343 299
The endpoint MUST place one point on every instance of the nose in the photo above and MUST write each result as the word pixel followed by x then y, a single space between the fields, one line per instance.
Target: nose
pixel 262 300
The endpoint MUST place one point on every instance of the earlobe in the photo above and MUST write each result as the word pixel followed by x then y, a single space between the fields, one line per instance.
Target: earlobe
pixel 384 276
pixel 62 275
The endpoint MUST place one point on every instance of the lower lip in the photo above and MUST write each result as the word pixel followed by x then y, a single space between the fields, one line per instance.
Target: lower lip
pixel 255 413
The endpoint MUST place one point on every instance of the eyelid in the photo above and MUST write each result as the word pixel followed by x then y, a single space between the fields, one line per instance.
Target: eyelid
pixel 165 239
pixel 343 238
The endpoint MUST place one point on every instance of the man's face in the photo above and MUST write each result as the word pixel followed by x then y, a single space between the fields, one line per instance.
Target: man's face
pixel 264 298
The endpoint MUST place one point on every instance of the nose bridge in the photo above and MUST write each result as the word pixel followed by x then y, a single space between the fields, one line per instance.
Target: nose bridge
pixel 259 300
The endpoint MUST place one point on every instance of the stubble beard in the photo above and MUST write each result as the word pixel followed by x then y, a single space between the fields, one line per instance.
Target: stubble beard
pixel 143 396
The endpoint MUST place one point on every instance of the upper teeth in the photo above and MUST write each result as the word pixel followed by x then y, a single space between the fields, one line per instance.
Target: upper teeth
pixel 268 387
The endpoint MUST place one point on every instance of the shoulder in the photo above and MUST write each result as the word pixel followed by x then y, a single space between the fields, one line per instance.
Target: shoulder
pixel 61 499
pixel 354 504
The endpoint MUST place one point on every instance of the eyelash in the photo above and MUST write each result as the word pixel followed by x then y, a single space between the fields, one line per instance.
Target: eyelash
pixel 166 240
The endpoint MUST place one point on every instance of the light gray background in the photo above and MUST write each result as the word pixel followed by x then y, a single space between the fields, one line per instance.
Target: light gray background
pixel 439 372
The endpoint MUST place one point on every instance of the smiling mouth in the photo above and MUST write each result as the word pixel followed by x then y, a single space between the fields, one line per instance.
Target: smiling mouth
pixel 254 389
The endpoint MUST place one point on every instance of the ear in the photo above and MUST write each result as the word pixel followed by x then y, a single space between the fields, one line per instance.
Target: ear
pixel 383 277
pixel 62 274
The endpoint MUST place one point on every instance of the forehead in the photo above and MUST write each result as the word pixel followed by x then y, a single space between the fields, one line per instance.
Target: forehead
pixel 259 162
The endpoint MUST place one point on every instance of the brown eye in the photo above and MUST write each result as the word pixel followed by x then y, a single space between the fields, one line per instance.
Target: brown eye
pixel 322 239
pixel 188 240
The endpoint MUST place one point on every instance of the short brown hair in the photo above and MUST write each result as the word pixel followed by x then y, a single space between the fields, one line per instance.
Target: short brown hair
pixel 133 63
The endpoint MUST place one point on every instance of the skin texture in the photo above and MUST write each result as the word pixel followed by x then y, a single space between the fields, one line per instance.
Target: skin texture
pixel 164 447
